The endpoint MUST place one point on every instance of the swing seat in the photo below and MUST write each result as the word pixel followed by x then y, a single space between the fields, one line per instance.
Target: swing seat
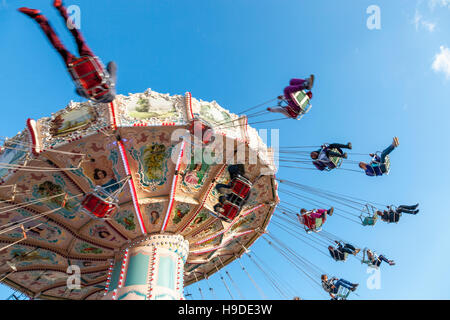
pixel 241 187
pixel 316 227
pixel 231 210
pixel 202 131
pixel 302 100
pixel 342 293
pixel 90 76
pixel 335 162
pixel 97 205
pixel 368 215
pixel 387 163
pixel 369 221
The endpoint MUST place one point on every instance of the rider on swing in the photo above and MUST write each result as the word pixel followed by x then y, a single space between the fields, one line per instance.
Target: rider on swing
pixel 338 253
pixel 375 260
pixel 393 215
pixel 332 285
pixel 377 166
pixel 92 80
pixel 322 156
pixel 293 110
pixel 310 219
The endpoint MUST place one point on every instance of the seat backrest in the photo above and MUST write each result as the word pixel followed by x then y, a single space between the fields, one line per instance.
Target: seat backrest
pixel 302 100
pixel 369 221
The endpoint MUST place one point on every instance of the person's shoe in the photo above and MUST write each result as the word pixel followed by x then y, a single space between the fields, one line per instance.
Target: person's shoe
pixel 396 142
pixel 391 263
pixel 345 156
pixel 330 211
pixel 269 109
pixel 33 13
pixel 280 97
pixel 354 287
pixel 349 145
pixel 357 251
pixel 337 242
pixel 416 211
pixel 57 3
pixel 310 82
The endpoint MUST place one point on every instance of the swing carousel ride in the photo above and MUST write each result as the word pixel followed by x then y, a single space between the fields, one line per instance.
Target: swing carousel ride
pixel 140 197
pixel 95 186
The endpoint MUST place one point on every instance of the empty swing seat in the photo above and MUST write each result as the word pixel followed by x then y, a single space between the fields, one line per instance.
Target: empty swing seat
pixel 231 210
pixel 241 187
pixel 369 221
pixel 90 77
pixel 97 206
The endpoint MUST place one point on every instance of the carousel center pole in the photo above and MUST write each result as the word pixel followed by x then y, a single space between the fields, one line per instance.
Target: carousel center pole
pixel 150 268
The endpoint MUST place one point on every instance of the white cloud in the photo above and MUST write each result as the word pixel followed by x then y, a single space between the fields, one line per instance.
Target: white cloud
pixel 420 22
pixel 441 62
pixel 439 3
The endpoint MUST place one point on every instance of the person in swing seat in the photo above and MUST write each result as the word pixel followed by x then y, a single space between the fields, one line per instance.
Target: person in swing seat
pixel 392 215
pixel 92 80
pixel 310 218
pixel 332 285
pixel 377 167
pixel 376 260
pixel 338 252
pixel 293 109
pixel 322 156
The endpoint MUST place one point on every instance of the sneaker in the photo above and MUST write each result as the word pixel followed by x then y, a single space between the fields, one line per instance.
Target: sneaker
pixel 310 82
pixel 357 251
pixel 57 3
pixel 354 287
pixel 391 263
pixel 269 109
pixel 33 13
pixel 330 211
pixel 345 156
pixel 349 145
pixel 416 211
pixel 396 142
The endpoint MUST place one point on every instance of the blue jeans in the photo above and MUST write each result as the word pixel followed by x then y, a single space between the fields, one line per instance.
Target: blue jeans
pixel 383 156
pixel 343 283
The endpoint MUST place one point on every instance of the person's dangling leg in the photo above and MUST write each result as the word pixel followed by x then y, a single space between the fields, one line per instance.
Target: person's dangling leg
pixel 306 84
pixel 388 150
pixel 346 250
pixel 341 146
pixel 49 32
pixel 289 90
pixel 281 110
pixel 296 82
pixel 331 153
pixel 83 48
pixel 344 283
pixel 404 210
pixel 414 207
pixel 383 258
pixel 351 249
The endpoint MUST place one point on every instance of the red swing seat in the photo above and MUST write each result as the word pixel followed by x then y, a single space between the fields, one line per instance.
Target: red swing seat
pixel 199 126
pixel 90 76
pixel 241 187
pixel 231 210
pixel 96 205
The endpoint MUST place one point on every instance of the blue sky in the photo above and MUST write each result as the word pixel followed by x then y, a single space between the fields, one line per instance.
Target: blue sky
pixel 370 86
